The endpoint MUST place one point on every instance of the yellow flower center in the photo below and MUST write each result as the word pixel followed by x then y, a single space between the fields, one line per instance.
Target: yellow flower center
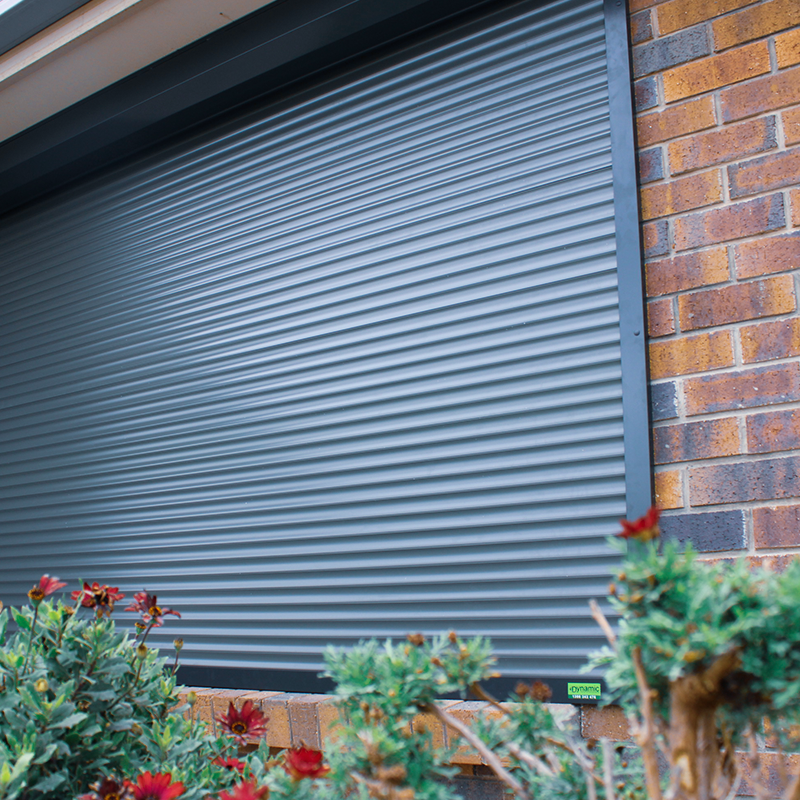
pixel 154 611
pixel 239 728
pixel 36 594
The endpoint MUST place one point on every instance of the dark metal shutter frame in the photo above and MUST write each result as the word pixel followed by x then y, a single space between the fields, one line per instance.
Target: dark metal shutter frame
pixel 348 366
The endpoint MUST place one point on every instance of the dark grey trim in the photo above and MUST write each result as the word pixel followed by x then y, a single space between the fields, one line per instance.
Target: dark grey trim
pixel 31 17
pixel 255 56
pixel 635 400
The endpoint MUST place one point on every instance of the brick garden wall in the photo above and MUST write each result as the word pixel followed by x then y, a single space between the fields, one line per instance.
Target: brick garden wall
pixel 718 116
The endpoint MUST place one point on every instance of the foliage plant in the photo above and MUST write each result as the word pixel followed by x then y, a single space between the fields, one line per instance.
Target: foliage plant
pixel 88 711
pixel 706 655
pixel 705 659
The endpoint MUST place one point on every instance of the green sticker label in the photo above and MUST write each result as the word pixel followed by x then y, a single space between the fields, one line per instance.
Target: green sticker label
pixel 583 691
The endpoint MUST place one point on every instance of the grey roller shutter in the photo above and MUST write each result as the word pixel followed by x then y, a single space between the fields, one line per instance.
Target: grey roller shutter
pixel 346 366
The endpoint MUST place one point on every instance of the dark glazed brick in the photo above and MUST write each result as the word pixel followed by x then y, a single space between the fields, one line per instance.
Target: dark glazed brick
pixel 475 788
pixel 656 238
pixel 771 479
pixel 668 51
pixel 664 401
pixel 709 533
pixel 641 27
pixel 651 165
pixel 645 93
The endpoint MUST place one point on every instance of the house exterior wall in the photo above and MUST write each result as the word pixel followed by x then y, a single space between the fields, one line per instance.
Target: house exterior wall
pixel 717 87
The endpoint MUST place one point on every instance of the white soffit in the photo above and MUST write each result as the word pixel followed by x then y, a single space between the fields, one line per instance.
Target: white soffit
pixel 97 45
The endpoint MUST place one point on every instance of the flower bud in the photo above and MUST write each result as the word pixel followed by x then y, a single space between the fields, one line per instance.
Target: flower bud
pixel 41 685
pixel 191 698
pixel 178 644
pixel 141 650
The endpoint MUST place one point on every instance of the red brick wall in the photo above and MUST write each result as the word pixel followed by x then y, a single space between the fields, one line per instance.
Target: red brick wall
pixel 718 119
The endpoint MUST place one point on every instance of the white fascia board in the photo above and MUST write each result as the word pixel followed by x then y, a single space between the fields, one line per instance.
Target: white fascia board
pixel 98 45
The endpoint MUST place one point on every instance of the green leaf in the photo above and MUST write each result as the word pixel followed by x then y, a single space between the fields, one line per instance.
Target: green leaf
pixel 49 783
pixel 70 721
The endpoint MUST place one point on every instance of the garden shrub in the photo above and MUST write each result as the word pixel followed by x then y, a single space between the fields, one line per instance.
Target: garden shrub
pixel 703 655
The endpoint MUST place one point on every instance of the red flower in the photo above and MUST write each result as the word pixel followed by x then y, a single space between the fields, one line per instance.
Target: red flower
pixel 244 723
pixel 44 588
pixel 229 763
pixel 247 790
pixel 156 787
pixel 643 529
pixel 108 789
pixel 101 598
pixel 147 605
pixel 305 763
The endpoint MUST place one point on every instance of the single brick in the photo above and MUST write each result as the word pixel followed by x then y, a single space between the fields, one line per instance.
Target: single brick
pixel 755 23
pixel 791 125
pixel 668 491
pixel 645 93
pixel 718 147
pixel 709 532
pixel 668 51
pixel 638 5
pixel 712 73
pixel 688 271
pixel 771 563
pixel 758 96
pixel 304 719
pixel 641 27
pixel 677 14
pixel 690 354
pixel 663 401
pixel 770 479
pixel 660 318
pixel 778 526
pixel 330 720
pixel 735 221
pixel 770 340
pixel 279 731
pixel 764 174
pixel 769 763
pixel 787 48
pixel 606 722
pixel 773 431
pixel 203 710
pixel 683 194
pixel 748 388
pixel 429 722
pixel 465 712
pixel 763 256
pixel 737 303
pixel 694 440
pixel 690 117
pixel 651 165
pixel 656 238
